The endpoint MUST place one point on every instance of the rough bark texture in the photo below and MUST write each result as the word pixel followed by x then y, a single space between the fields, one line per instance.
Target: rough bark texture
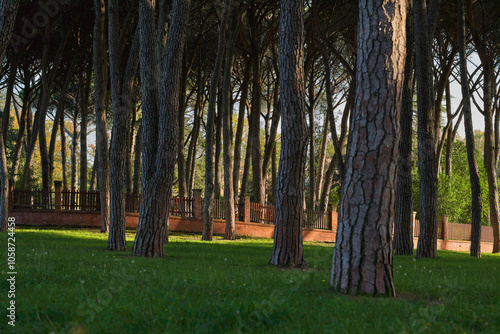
pixel 475 245
pixel 288 248
pixel 122 83
pixel 427 242
pixel 157 186
pixel 403 226
pixel 362 260
pixel 8 13
pixel 208 201
pixel 100 86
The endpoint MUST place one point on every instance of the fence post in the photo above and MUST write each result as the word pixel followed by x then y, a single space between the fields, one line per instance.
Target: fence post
pixel 414 216
pixel 444 219
pixel 197 204
pixel 246 209
pixel 11 195
pixel 57 195
pixel 332 219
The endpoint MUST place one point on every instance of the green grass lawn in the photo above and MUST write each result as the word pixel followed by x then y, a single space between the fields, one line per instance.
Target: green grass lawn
pixel 68 283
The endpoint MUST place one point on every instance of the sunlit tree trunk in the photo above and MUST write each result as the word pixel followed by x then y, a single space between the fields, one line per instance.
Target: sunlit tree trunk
pixel 362 260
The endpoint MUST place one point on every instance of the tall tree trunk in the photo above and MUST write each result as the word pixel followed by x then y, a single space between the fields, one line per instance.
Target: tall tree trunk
pixel 490 128
pixel 218 151
pixel 62 130
pixel 181 161
pixel 122 87
pixel 83 130
pixel 259 186
pixel 403 225
pixel 312 142
pixel 427 242
pixel 449 135
pixel 322 161
pixel 227 123
pixel 208 203
pixel 162 98
pixel 288 248
pixel 101 103
pixel 475 245
pixel 362 260
pixel 74 146
pixel 239 129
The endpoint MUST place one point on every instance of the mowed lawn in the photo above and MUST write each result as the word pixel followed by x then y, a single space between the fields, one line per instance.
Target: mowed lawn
pixel 68 283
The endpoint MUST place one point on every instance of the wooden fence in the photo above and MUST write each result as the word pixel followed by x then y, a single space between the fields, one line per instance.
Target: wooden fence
pixel 77 200
pixel 456 231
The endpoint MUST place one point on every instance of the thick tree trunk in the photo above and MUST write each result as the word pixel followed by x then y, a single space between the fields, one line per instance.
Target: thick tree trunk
pixel 288 247
pixel 208 204
pixel 101 103
pixel 362 261
pixel 157 186
pixel 427 242
pixel 403 225
pixel 475 246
